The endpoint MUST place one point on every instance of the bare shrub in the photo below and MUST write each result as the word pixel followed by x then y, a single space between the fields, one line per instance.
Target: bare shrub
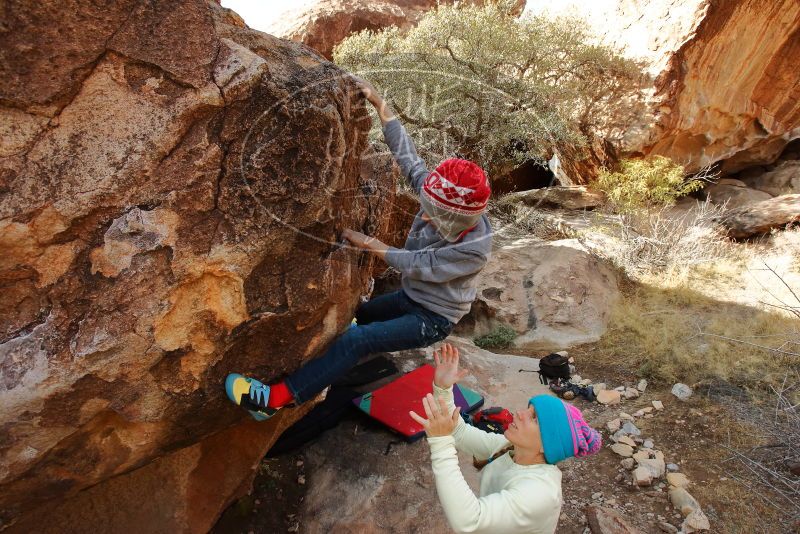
pixel 514 219
pixel 775 464
pixel 658 240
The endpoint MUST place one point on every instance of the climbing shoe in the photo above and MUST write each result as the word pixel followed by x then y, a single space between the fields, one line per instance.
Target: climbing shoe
pixel 568 391
pixel 250 394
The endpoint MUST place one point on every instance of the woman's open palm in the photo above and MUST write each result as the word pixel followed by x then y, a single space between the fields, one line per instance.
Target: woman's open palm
pixel 447 372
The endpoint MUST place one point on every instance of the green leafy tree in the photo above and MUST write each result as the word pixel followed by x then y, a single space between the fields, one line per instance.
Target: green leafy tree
pixel 641 183
pixel 481 83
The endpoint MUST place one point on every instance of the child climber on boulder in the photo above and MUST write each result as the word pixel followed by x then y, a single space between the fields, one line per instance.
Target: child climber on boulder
pixel 449 243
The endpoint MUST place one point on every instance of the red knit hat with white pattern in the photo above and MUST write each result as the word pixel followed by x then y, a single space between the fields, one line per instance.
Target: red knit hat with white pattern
pixel 455 196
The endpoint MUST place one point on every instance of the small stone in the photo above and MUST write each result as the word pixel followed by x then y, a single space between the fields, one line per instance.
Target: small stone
pixel 631 393
pixel 642 476
pixel 608 397
pixel 683 501
pixel 667 527
pixel 600 386
pixel 585 382
pixel 301 479
pixel 672 467
pixel 656 467
pixel 695 522
pixel 576 378
pixel 258 501
pixel 299 463
pixel 614 425
pixel 628 463
pixel 642 385
pixel 648 416
pixel 648 409
pixel 641 455
pixel 648 444
pixel 564 353
pixel 626 416
pixel 682 391
pixel 611 502
pixel 627 441
pixel 622 449
pixel 597 495
pixel 677 480
pixel 630 428
pixel 658 405
pixel 607 520
pixel 638 413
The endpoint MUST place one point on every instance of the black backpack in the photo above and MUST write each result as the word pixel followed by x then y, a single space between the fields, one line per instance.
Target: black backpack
pixel 553 366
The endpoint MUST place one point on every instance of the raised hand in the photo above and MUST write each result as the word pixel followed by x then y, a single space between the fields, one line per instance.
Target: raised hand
pixel 439 422
pixel 447 372
pixel 374 98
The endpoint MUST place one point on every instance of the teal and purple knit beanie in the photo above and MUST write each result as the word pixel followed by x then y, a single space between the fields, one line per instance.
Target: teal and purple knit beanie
pixel 565 432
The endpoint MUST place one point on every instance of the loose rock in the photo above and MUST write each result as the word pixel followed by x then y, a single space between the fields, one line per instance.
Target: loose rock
pixel 683 501
pixel 682 391
pixel 603 520
pixel 677 480
pixel 631 393
pixel 630 428
pixel 626 416
pixel 695 522
pixel 655 466
pixel 668 528
pixel 614 425
pixel 658 405
pixel 648 444
pixel 628 463
pixel 609 396
pixel 622 449
pixel 642 476
pixel 642 385
pixel 672 467
pixel 627 441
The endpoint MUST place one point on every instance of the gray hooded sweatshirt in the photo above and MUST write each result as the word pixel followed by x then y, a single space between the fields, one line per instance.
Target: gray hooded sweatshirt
pixel 437 274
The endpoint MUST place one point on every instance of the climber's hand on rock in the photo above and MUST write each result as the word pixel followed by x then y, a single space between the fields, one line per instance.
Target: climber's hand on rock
pixel 439 422
pixel 367 89
pixel 357 239
pixel 374 98
pixel 447 372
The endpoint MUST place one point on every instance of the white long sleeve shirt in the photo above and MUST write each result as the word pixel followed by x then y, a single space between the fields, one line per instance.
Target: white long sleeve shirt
pixel 513 498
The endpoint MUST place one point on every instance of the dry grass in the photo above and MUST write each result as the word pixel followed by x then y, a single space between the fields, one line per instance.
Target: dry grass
pixel 660 240
pixel 680 334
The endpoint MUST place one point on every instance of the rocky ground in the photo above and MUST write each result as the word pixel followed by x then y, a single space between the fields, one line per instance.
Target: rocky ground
pixel 376 483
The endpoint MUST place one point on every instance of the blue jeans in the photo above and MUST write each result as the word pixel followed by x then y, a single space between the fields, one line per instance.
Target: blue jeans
pixel 386 323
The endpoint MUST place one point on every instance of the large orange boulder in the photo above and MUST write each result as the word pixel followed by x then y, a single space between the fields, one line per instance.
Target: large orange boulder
pixel 725 80
pixel 172 189
pixel 322 24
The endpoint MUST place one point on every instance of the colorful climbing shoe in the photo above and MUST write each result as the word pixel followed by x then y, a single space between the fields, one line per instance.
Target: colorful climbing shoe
pixel 250 394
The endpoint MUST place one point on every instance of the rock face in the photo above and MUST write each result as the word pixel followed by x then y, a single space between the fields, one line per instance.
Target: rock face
pixel 734 196
pixel 173 186
pixel 725 83
pixel 323 24
pixel 761 217
pixel 570 197
pixel 554 294
pixel 386 485
pixel 783 180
